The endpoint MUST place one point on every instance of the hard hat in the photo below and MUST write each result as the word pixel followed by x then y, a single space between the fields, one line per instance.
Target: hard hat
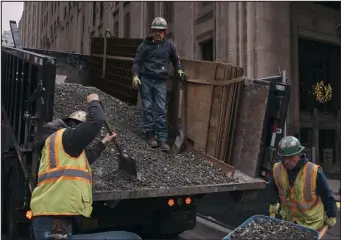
pixel 78 115
pixel 159 23
pixel 289 146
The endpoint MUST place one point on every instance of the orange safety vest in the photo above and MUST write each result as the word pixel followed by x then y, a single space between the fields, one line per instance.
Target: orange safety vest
pixel 64 183
pixel 299 203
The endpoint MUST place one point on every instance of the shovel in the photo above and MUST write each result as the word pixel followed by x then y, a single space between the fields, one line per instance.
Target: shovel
pixel 322 232
pixel 125 163
pixel 179 143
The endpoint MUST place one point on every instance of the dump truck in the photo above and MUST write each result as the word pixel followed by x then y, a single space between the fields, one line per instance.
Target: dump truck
pixel 27 100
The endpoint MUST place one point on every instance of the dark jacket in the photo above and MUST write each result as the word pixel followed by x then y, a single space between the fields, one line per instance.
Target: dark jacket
pixel 322 187
pixel 75 140
pixel 152 59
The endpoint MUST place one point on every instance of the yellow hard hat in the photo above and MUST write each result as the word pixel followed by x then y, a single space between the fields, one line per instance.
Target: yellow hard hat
pixel 78 115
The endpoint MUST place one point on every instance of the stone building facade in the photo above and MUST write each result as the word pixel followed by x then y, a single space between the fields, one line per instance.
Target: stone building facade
pixel 262 37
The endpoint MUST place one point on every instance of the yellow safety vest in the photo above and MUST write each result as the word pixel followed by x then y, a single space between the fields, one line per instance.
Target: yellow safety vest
pixel 64 183
pixel 300 204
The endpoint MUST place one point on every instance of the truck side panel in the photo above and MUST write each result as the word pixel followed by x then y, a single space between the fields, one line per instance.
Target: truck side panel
pixel 27 86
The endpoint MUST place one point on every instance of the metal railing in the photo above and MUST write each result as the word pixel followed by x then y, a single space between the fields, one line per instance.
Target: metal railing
pixel 27 92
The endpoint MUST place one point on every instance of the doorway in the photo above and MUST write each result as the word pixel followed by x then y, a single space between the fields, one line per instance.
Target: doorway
pixel 320 62
pixel 207 50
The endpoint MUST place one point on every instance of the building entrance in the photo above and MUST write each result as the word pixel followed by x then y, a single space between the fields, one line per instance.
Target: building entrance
pixel 320 98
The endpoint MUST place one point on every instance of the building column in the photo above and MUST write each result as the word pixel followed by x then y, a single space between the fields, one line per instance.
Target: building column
pixel 121 19
pixel 137 11
pixel 257 36
pixel 184 16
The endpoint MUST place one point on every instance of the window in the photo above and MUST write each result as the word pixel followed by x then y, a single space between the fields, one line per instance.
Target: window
pixel 116 29
pixel 207 50
pixel 168 11
pixel 101 10
pixel 93 13
pixel 126 33
pixel 206 3
pixel 334 5
pixel 318 62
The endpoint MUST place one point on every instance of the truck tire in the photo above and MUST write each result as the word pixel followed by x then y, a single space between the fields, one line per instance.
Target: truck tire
pixel 14 199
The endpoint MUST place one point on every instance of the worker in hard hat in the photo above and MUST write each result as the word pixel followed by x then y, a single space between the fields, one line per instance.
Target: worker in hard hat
pixel 64 187
pixel 300 188
pixel 150 71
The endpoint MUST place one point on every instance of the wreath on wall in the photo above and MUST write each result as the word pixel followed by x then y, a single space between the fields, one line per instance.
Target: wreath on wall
pixel 322 92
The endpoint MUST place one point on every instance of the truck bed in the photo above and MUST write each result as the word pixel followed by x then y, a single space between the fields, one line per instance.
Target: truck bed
pixel 159 174
pixel 242 182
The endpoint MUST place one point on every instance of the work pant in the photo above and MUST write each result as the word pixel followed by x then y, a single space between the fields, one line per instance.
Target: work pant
pixel 50 227
pixel 153 97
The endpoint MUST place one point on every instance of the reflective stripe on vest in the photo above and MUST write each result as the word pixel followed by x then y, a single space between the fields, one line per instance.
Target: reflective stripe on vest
pixel 308 202
pixel 55 172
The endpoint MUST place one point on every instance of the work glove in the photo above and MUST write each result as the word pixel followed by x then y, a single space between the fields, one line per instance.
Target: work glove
pixel 182 75
pixel 273 209
pixel 331 222
pixel 136 82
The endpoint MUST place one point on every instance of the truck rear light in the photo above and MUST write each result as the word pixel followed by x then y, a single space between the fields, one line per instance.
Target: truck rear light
pixel 29 214
pixel 171 202
pixel 188 200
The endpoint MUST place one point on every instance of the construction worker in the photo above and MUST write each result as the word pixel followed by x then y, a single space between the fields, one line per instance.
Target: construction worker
pixel 300 188
pixel 150 71
pixel 64 187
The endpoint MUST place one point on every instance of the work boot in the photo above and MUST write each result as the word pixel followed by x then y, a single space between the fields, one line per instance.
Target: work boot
pixel 151 140
pixel 164 147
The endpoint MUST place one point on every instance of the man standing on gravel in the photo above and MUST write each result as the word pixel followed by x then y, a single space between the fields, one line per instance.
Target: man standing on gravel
pixel 150 71
pixel 301 188
pixel 64 187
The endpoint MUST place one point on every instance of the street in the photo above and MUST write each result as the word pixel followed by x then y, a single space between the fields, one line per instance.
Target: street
pixel 222 208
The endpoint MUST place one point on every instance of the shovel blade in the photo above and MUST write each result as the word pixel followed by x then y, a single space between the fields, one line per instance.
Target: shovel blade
pixel 127 164
pixel 179 143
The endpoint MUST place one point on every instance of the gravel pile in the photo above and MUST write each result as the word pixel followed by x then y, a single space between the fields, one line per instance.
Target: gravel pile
pixel 155 168
pixel 263 229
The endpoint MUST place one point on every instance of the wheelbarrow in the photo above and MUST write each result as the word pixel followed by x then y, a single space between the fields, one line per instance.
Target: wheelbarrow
pixel 256 217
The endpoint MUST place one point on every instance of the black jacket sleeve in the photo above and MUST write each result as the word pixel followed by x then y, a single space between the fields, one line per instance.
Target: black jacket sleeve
pixel 94 152
pixel 273 190
pixel 174 56
pixel 326 194
pixel 138 61
pixel 75 140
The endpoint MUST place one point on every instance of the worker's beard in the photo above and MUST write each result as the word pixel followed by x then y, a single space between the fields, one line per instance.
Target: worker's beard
pixel 158 36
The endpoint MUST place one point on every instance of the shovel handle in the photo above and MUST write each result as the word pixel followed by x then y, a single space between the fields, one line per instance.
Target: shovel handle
pixel 109 129
pixel 107 126
pixel 323 231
